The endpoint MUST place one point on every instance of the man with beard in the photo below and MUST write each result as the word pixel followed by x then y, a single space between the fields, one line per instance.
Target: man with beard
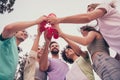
pixel 56 69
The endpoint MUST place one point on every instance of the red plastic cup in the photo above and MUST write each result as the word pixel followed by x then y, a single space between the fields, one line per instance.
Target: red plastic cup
pixel 55 34
pixel 43 24
pixel 49 32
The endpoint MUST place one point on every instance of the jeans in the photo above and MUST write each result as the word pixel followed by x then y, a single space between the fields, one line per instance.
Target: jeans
pixel 106 67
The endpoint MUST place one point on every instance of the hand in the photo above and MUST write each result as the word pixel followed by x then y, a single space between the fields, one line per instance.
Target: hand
pixel 56 26
pixel 42 18
pixel 52 19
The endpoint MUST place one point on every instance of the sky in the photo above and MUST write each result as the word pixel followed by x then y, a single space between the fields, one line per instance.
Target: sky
pixel 26 10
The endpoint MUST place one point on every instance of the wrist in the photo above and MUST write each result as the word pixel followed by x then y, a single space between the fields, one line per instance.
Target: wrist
pixel 60 20
pixel 47 43
pixel 38 21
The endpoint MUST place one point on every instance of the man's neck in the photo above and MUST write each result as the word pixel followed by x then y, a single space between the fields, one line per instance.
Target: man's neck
pixel 18 42
pixel 55 56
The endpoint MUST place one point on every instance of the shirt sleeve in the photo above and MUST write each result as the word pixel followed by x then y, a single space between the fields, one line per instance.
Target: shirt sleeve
pixel 107 7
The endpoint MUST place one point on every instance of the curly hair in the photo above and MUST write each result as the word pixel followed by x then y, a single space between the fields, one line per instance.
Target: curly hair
pixel 65 58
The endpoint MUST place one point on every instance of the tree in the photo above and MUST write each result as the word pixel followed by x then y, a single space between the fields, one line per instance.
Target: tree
pixel 6 6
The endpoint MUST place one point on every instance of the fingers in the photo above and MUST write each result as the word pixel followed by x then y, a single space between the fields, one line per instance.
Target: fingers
pixel 52 19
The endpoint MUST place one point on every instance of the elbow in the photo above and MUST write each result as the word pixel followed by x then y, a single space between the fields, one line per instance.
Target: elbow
pixel 8 28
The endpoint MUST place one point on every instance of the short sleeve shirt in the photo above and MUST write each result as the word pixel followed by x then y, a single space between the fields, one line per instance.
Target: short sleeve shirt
pixel 8 58
pixel 109 26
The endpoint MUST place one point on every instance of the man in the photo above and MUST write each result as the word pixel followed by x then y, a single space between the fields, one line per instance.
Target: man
pixel 56 69
pixel 8 47
pixel 20 37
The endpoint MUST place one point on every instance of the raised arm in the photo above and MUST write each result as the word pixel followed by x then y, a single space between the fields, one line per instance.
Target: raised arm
pixel 44 63
pixel 12 28
pixel 36 42
pixel 30 65
pixel 73 45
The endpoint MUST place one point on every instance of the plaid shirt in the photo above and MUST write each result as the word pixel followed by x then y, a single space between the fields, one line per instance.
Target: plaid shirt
pixel 20 66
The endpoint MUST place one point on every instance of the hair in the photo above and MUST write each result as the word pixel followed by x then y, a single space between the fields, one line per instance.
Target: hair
pixel 52 43
pixel 88 28
pixel 94 5
pixel 64 55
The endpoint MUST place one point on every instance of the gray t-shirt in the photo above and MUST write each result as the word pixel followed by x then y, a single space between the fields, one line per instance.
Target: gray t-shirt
pixel 39 75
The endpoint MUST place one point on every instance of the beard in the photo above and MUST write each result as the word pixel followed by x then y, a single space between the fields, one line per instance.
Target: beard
pixel 54 52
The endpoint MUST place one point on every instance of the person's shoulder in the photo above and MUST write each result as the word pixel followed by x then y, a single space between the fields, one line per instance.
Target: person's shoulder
pixel 7 39
pixel 104 6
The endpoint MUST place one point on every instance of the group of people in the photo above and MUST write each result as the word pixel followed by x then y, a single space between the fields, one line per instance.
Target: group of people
pixel 38 65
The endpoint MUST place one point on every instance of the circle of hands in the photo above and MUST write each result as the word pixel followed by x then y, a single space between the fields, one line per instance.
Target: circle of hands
pixel 48 27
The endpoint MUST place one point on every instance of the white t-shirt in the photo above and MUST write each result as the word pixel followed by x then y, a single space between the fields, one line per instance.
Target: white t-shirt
pixel 109 26
pixel 75 73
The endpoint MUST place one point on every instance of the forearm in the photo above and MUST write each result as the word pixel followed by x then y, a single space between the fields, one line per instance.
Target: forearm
pixel 14 27
pixel 44 58
pixel 80 18
pixel 77 39
pixel 73 45
pixel 36 43
pixel 10 29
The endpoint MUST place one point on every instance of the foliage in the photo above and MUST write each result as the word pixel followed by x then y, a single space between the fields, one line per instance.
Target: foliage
pixel 6 6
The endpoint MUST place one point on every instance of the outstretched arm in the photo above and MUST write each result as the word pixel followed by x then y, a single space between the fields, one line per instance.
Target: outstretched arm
pixel 78 18
pixel 12 28
pixel 81 40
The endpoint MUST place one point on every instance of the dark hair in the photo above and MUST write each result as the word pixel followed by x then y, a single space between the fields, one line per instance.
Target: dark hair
pixel 88 28
pixel 93 5
pixel 52 43
pixel 65 57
